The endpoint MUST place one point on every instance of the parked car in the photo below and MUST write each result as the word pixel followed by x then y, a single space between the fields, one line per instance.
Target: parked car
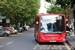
pixel 4 32
pixel 9 29
pixel 14 31
pixel 21 29
pixel 24 28
pixel 27 27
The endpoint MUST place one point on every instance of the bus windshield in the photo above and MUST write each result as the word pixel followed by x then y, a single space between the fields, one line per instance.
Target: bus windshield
pixel 52 24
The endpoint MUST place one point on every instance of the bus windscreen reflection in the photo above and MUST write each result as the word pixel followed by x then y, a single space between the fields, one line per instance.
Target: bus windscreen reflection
pixel 52 24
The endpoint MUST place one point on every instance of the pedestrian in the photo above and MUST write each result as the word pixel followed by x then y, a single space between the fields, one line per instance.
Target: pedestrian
pixel 73 28
pixel 67 28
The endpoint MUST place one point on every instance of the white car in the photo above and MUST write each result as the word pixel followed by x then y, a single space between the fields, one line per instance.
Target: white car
pixel 14 31
pixel 27 27
pixel 4 32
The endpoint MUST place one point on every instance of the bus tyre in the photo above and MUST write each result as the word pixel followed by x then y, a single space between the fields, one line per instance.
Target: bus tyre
pixel 68 34
pixel 5 34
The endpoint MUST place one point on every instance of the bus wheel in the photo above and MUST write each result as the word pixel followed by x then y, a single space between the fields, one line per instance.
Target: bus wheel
pixel 68 34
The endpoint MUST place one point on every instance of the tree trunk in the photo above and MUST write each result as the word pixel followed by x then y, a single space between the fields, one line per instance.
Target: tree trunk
pixel 69 15
pixel 10 22
pixel 25 23
pixel 16 24
pixel 21 24
pixel 69 19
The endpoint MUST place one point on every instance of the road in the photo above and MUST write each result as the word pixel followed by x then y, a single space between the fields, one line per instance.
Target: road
pixel 26 41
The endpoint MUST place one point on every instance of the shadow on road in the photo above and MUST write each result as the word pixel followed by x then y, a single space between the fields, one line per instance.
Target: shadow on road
pixel 51 43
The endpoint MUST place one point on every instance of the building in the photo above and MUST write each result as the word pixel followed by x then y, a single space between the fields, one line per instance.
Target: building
pixel 3 21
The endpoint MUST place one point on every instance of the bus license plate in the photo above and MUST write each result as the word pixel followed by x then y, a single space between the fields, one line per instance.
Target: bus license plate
pixel 52 41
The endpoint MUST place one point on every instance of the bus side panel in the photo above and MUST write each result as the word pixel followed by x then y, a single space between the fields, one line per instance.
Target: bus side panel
pixel 65 24
pixel 36 34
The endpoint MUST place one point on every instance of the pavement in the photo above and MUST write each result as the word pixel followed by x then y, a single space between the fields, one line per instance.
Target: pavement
pixel 71 40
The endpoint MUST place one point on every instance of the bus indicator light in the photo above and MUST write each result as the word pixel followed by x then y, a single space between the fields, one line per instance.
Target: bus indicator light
pixel 64 39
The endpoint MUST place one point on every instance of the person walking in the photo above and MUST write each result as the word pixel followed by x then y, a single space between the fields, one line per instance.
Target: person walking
pixel 67 28
pixel 73 28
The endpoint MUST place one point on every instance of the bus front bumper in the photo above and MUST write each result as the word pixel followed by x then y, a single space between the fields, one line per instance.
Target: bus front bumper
pixel 43 39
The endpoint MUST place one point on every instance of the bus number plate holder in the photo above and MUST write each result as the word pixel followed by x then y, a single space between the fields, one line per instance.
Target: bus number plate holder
pixel 52 41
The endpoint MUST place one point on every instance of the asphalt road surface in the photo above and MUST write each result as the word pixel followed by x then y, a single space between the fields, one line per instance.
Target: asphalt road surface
pixel 26 41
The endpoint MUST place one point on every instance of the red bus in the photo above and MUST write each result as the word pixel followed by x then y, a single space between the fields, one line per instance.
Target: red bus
pixel 50 28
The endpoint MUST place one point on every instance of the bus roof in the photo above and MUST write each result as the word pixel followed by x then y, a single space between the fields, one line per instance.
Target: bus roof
pixel 47 14
pixel 51 14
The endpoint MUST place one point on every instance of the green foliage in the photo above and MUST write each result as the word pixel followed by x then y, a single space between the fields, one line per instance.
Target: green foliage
pixel 20 10
pixel 57 10
pixel 64 1
pixel 51 1
pixel 30 21
pixel 42 13
pixel 48 0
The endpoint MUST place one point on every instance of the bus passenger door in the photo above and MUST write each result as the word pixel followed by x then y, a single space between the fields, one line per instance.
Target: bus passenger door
pixel 37 29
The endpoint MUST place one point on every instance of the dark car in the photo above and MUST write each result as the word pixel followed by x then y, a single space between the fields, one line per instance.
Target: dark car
pixel 24 28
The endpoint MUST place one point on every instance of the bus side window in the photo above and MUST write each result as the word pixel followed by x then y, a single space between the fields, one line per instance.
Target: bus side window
pixel 37 25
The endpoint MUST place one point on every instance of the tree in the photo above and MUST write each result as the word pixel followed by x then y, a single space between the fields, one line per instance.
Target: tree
pixel 64 3
pixel 68 5
pixel 19 11
pixel 57 10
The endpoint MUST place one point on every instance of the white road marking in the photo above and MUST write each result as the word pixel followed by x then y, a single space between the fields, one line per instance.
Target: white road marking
pixel 1 46
pixel 9 43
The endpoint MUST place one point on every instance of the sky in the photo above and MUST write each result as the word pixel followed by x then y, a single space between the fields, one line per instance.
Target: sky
pixel 44 6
